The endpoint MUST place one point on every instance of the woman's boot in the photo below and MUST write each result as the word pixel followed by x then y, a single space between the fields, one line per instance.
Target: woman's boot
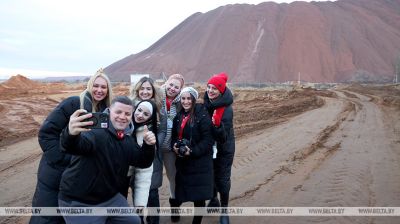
pixel 214 202
pixel 224 219
pixel 197 219
pixel 199 208
pixel 175 217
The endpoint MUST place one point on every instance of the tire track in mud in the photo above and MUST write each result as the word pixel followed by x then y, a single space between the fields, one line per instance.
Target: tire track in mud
pixel 324 135
pixel 18 162
pixel 293 160
pixel 361 173
pixel 23 197
pixel 19 153
pixel 339 169
pixel 15 156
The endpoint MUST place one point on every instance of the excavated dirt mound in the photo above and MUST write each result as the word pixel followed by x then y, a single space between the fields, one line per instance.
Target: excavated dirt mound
pixel 21 82
pixel 24 104
pixel 20 86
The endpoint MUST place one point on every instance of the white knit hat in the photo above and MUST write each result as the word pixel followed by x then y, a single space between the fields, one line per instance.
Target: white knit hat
pixel 147 105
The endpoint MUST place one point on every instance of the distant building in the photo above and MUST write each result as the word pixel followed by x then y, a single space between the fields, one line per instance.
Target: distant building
pixel 136 77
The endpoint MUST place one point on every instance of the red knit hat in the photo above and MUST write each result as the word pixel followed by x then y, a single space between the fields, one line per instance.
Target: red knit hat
pixel 219 81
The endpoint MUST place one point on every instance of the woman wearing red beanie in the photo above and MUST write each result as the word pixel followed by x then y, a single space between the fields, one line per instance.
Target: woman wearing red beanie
pixel 218 101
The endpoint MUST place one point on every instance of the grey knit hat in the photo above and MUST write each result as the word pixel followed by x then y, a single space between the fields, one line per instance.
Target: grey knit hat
pixel 191 90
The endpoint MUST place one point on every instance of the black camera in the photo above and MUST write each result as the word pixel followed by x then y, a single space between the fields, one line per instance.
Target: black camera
pixel 181 145
pixel 100 120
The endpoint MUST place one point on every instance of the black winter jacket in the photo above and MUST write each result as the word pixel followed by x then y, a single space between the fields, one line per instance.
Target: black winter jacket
pixel 100 164
pixel 53 161
pixel 56 121
pixel 223 135
pixel 194 173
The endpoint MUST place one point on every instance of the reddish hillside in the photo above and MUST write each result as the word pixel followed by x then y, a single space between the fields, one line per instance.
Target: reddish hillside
pixel 269 42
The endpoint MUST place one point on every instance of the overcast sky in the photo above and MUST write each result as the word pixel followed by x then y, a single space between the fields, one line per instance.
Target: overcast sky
pixel 76 37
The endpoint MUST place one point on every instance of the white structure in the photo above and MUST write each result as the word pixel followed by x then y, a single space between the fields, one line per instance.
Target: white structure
pixel 136 77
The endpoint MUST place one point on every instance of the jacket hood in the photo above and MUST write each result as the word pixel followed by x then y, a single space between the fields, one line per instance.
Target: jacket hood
pixel 128 131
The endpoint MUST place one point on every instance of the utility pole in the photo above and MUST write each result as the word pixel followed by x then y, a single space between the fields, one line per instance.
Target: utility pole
pixel 163 76
pixel 397 73
pixel 298 79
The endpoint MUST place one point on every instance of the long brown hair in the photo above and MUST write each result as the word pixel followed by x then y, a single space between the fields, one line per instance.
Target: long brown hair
pixel 134 92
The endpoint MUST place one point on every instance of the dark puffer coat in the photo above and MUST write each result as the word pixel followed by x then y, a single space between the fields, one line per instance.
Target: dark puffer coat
pixel 101 160
pixel 225 138
pixel 194 176
pixel 53 161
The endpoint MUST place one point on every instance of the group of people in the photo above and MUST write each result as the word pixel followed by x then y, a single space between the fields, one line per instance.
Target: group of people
pixel 153 128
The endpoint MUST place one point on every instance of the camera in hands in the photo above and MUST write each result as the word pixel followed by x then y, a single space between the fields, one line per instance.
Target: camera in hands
pixel 181 145
pixel 100 120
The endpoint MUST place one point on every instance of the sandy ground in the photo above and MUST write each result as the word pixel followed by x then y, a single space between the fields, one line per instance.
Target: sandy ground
pixel 296 148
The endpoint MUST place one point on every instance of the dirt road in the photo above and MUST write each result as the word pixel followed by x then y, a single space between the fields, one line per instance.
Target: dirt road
pixel 345 153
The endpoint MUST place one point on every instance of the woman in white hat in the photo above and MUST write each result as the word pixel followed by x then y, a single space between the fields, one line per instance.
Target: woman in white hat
pixel 192 143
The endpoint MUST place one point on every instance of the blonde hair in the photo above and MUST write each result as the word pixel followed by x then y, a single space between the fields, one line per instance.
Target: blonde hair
pixel 134 92
pixel 89 88
pixel 178 77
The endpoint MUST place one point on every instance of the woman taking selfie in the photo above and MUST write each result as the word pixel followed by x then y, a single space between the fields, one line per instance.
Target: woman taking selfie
pixel 96 98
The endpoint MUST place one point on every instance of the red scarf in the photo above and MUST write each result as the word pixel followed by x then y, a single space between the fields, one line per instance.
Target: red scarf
pixel 217 116
pixel 168 102
pixel 184 121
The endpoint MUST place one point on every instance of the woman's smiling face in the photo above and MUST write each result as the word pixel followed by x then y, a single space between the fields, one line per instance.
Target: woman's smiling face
pixel 146 91
pixel 142 114
pixel 186 101
pixel 99 89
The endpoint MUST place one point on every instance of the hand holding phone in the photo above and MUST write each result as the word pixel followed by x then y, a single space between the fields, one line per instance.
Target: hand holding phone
pixel 99 119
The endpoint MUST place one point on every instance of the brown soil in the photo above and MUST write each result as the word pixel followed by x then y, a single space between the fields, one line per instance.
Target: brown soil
pixel 21 82
pixel 293 148
pixel 24 105
pixel 388 95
